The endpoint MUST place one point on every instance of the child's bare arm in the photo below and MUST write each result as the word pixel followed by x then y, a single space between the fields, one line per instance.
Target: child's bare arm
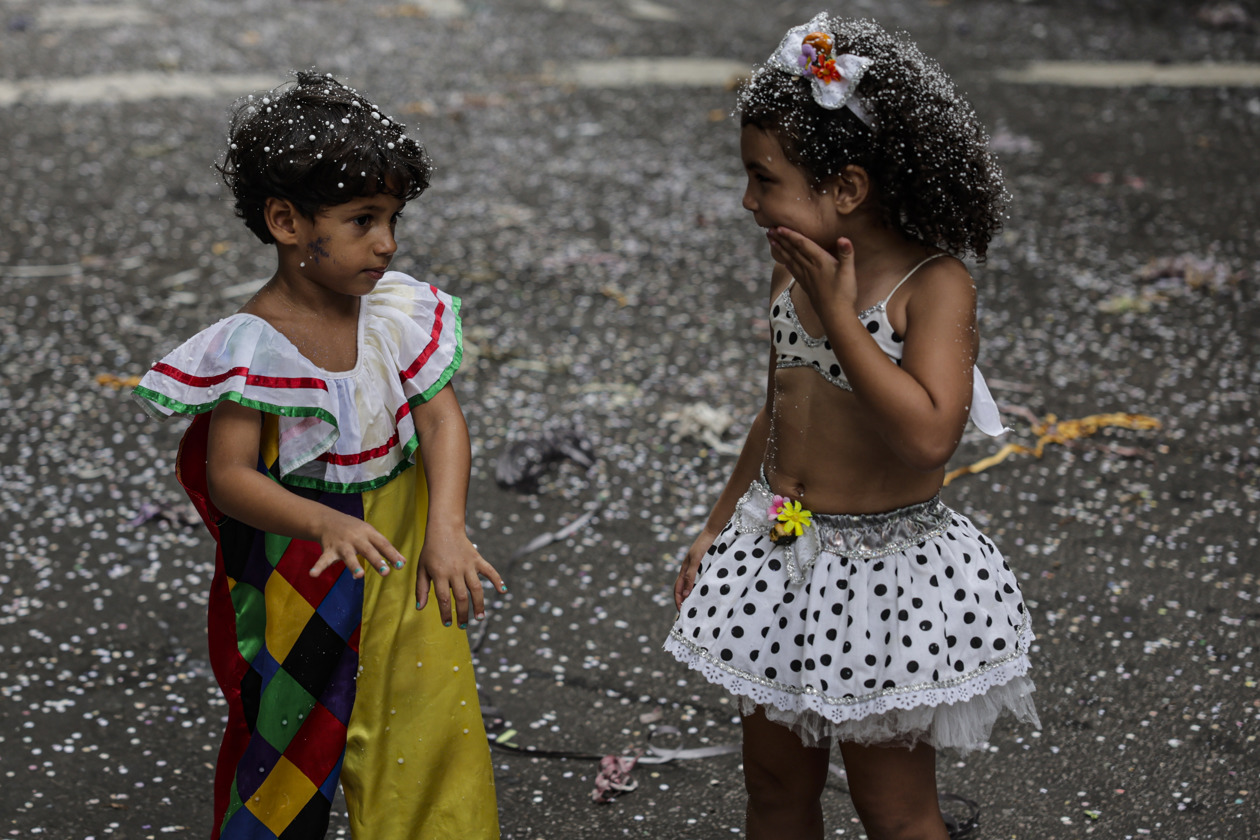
pixel 448 558
pixel 239 490
pixel 921 406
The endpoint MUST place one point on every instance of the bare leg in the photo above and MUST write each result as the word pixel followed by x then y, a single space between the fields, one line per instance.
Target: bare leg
pixel 894 791
pixel 785 781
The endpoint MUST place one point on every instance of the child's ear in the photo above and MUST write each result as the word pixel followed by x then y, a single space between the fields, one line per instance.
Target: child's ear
pixel 850 188
pixel 281 217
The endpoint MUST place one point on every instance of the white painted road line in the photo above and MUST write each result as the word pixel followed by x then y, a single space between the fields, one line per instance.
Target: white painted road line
pixel 1133 74
pixel 640 72
pixel 112 88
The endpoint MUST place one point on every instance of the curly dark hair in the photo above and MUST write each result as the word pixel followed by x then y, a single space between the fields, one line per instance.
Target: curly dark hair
pixel 928 153
pixel 317 143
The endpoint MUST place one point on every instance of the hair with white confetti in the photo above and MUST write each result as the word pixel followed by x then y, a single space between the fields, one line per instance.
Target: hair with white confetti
pixel 318 143
pixel 928 155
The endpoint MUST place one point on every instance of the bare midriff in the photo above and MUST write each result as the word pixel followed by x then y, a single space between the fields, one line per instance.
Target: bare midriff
pixel 825 452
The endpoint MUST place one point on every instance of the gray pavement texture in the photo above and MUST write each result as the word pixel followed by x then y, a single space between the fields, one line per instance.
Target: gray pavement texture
pixel 610 278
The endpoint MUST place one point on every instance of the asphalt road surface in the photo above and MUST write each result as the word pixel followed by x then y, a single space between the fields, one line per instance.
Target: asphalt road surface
pixel 587 208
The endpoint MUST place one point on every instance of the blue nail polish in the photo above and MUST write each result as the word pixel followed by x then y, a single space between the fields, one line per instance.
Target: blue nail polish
pixel 398 564
pixel 464 626
pixel 503 588
pixel 446 624
pixel 417 605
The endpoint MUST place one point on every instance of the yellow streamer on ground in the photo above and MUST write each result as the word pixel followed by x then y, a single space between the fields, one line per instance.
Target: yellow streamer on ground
pixel 1051 430
pixel 115 382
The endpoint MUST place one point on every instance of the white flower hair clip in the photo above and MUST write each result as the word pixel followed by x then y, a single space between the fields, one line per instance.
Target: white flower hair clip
pixel 806 51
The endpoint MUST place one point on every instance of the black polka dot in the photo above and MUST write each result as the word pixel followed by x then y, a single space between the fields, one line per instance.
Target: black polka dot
pixel 737 631
pixel 846 673
pixel 749 609
pixel 726 655
pixel 881 590
pixel 771 673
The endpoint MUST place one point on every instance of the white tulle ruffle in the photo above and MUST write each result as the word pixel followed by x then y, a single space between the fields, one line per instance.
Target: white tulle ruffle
pixel 960 718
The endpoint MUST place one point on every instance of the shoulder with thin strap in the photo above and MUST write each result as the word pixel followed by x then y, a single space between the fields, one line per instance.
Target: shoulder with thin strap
pixel 909 274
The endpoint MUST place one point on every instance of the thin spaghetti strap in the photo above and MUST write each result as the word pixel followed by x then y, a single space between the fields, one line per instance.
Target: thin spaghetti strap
pixel 909 274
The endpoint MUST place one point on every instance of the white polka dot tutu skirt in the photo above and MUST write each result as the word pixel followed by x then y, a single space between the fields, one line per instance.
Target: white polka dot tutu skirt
pixel 891 628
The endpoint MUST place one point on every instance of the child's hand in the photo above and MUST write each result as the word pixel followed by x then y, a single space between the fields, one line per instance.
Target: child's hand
pixel 454 567
pixel 687 574
pixel 828 280
pixel 346 538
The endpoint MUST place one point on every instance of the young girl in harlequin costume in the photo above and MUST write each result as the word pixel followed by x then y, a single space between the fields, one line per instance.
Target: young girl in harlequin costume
pixel 326 436
pixel 831 590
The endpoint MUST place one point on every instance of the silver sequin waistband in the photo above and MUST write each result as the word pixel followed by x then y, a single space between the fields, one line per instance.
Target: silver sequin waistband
pixel 856 536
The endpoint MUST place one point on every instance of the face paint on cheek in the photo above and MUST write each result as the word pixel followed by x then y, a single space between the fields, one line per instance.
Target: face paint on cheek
pixel 317 250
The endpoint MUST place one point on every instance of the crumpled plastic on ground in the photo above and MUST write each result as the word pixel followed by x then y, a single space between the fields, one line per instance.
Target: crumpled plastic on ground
pixel 704 423
pixel 523 462
pixel 614 777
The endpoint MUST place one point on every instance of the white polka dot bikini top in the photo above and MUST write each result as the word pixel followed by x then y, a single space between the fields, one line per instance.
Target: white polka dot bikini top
pixel 794 347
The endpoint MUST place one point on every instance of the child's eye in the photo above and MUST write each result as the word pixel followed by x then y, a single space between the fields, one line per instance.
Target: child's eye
pixel 361 221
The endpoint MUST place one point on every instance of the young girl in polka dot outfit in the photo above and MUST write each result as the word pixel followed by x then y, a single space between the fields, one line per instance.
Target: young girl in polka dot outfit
pixel 831 591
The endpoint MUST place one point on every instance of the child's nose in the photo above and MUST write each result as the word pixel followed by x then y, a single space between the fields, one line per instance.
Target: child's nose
pixel 387 244
pixel 749 204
